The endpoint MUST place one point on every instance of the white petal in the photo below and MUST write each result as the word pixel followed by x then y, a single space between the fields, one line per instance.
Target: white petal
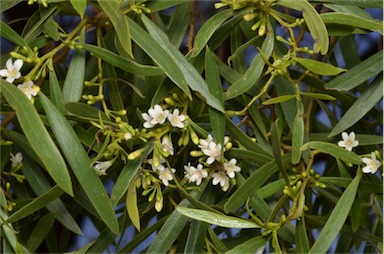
pixel 345 136
pixel 352 135
pixel 9 64
pixel 4 73
pixel 18 64
pixel 367 170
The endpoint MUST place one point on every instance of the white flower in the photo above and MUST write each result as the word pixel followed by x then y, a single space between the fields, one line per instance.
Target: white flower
pixel 159 204
pixel 16 159
pixel 167 145
pixel 27 89
pixel 195 174
pixel 231 168
pixel 127 136
pixel 222 178
pixel 13 70
pixel 213 152
pixel 348 141
pixel 166 175
pixel 155 115
pixel 101 167
pixel 204 143
pixel 371 164
pixel 160 167
pixel 176 120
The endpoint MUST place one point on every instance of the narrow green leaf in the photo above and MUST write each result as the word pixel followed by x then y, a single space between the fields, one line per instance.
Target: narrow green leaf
pixel 334 150
pixel 170 231
pixel 271 189
pixel 190 76
pixel 40 184
pixel 40 232
pixel 358 74
pixel 216 219
pixel 37 135
pixel 284 87
pixel 12 35
pixel 365 187
pixel 74 81
pixel 314 22
pixel 276 148
pixel 208 29
pixel 352 20
pixel 80 163
pixel 155 6
pixel 132 206
pixel 80 6
pixel 302 243
pixel 320 96
pixel 123 63
pixel 55 92
pixel 361 107
pixel 119 22
pixel 178 24
pixel 255 70
pixel 245 140
pixel 214 84
pixel 125 179
pixel 250 156
pixel 337 218
pixel 8 234
pixel 254 182
pixel 37 204
pixel 250 246
pixel 318 67
pixel 297 133
pixel 50 26
pixel 85 110
pixel 360 3
pixel 5 5
pixel 279 99
pixel 218 244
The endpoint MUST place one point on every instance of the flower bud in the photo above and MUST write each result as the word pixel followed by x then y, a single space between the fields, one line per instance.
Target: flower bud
pixel 196 153
pixel 250 16
pixel 195 139
pixel 159 205
pixel 262 30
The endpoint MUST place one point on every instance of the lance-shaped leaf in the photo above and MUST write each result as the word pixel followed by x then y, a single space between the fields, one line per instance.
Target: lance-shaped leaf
pixel 370 3
pixel 333 150
pixel 119 22
pixel 320 68
pixel 37 135
pixel 352 20
pixel 255 70
pixel 207 30
pixel 80 163
pixel 250 246
pixel 361 107
pixel 190 76
pixel 132 206
pixel 123 63
pixel 314 22
pixel 36 204
pixel 297 133
pixel 12 35
pixel 80 6
pixel 279 99
pixel 40 232
pixel 358 74
pixel 337 218
pixel 216 218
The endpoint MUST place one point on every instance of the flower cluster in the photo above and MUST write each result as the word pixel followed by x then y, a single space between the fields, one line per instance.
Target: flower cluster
pixel 349 142
pixel 12 72
pixel 157 115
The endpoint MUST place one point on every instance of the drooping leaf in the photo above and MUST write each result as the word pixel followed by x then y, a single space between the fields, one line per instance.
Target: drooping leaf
pixel 250 246
pixel 216 219
pixel 352 20
pixel 314 22
pixel 37 135
pixel 297 133
pixel 80 6
pixel 132 206
pixel 80 164
pixel 119 22
pixel 40 231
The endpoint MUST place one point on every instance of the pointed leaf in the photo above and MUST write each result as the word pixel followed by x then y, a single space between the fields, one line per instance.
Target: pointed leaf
pixel 132 206
pixel 337 218
pixel 123 63
pixel 37 204
pixel 250 246
pixel 297 134
pixel 12 35
pixel 361 107
pixel 320 96
pixel 279 99
pixel 333 150
pixel 119 22
pixel 216 219
pixel 40 231
pixel 302 243
pixel 314 22
pixel 352 20
pixel 37 135
pixel 207 30
pixel 80 163
pixel 318 67
pixel 358 74
pixel 190 75
pixel 80 6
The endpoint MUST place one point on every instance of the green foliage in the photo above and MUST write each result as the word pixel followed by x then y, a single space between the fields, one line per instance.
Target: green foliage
pixel 162 122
